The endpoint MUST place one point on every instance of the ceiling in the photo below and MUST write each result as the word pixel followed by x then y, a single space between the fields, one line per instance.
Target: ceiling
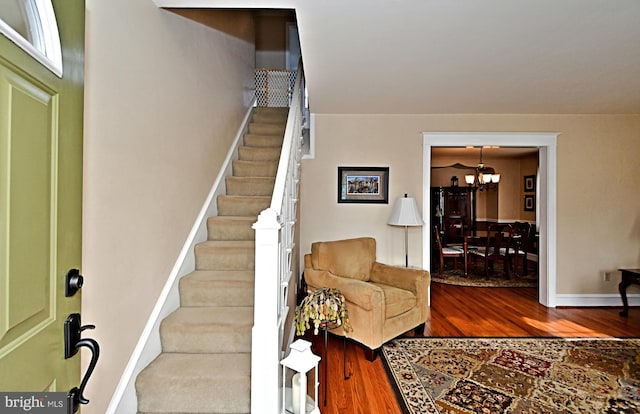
pixel 465 56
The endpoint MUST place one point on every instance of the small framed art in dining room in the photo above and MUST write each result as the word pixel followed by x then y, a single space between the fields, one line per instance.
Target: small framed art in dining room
pixel 529 202
pixel 530 183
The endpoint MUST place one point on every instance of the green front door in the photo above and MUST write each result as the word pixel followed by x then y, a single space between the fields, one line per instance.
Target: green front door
pixel 40 207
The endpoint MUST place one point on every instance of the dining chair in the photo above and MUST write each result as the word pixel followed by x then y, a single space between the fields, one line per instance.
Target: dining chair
pixel 498 248
pixel 454 232
pixel 449 252
pixel 524 245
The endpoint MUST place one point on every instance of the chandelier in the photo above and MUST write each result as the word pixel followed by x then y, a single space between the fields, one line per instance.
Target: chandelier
pixel 483 176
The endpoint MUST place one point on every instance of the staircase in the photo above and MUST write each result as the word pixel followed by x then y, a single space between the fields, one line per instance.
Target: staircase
pixel 205 364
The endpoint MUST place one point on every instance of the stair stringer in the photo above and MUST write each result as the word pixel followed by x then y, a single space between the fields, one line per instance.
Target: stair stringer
pixel 124 399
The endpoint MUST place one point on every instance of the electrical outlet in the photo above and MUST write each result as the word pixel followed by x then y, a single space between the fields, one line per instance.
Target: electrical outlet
pixel 606 276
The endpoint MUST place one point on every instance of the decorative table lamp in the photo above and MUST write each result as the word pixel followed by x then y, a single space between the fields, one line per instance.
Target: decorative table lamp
pixel 305 365
pixel 405 213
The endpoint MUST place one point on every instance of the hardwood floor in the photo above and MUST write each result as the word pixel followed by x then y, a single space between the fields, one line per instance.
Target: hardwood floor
pixel 462 311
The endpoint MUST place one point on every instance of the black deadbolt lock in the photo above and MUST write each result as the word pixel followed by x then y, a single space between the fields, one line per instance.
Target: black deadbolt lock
pixel 73 282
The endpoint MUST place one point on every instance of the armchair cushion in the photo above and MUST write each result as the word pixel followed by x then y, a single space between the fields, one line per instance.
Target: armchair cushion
pixel 351 258
pixel 415 281
pixel 402 277
pixel 396 301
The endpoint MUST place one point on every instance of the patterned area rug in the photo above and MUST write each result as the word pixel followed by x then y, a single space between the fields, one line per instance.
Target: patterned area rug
pixel 515 375
pixel 477 278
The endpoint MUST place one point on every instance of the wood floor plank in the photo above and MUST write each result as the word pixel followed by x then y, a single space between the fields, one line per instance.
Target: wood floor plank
pixel 462 312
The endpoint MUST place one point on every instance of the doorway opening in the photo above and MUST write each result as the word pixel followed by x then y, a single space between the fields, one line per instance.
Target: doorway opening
pixel 545 206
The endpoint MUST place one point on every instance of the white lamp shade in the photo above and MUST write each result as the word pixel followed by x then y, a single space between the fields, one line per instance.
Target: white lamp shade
pixel 469 179
pixel 405 213
pixel 495 178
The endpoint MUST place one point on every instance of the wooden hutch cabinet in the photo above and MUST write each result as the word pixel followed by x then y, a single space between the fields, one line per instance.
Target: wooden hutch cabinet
pixel 454 205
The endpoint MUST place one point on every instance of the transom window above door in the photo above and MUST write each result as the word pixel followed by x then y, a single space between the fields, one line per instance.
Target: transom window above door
pixel 32 25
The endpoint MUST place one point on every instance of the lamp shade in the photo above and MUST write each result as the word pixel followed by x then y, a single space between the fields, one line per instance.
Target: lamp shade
pixel 405 213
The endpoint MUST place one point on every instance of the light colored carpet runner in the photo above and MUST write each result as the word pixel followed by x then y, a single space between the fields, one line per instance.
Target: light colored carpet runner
pixel 205 364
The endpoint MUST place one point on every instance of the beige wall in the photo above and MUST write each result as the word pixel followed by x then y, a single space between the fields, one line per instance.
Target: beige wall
pixel 598 217
pixel 164 98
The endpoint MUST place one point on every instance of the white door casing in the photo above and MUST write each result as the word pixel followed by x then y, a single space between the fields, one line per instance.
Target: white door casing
pixel 546 196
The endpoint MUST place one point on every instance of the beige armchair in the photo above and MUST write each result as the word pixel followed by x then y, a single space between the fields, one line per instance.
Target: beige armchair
pixel 383 301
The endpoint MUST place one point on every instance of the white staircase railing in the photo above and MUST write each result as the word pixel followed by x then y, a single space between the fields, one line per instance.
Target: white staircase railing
pixel 275 266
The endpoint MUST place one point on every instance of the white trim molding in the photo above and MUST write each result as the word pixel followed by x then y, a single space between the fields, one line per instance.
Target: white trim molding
pixel 546 142
pixel 597 299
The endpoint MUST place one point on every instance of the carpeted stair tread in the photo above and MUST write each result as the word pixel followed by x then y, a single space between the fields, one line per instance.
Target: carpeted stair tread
pixel 266 129
pixel 271 109
pixel 252 186
pixel 196 383
pixel 242 205
pixel 270 118
pixel 217 329
pixel 257 140
pixel 217 287
pixel 281 112
pixel 225 255
pixel 231 227
pixel 247 153
pixel 242 168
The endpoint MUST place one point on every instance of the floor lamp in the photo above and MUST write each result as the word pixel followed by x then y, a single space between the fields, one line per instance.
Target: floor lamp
pixel 405 213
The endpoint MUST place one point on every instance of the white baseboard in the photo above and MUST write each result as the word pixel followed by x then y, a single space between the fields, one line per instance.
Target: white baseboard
pixel 598 299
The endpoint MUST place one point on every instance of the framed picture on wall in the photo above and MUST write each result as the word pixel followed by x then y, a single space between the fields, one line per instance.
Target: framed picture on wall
pixel 529 202
pixel 529 183
pixel 363 185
